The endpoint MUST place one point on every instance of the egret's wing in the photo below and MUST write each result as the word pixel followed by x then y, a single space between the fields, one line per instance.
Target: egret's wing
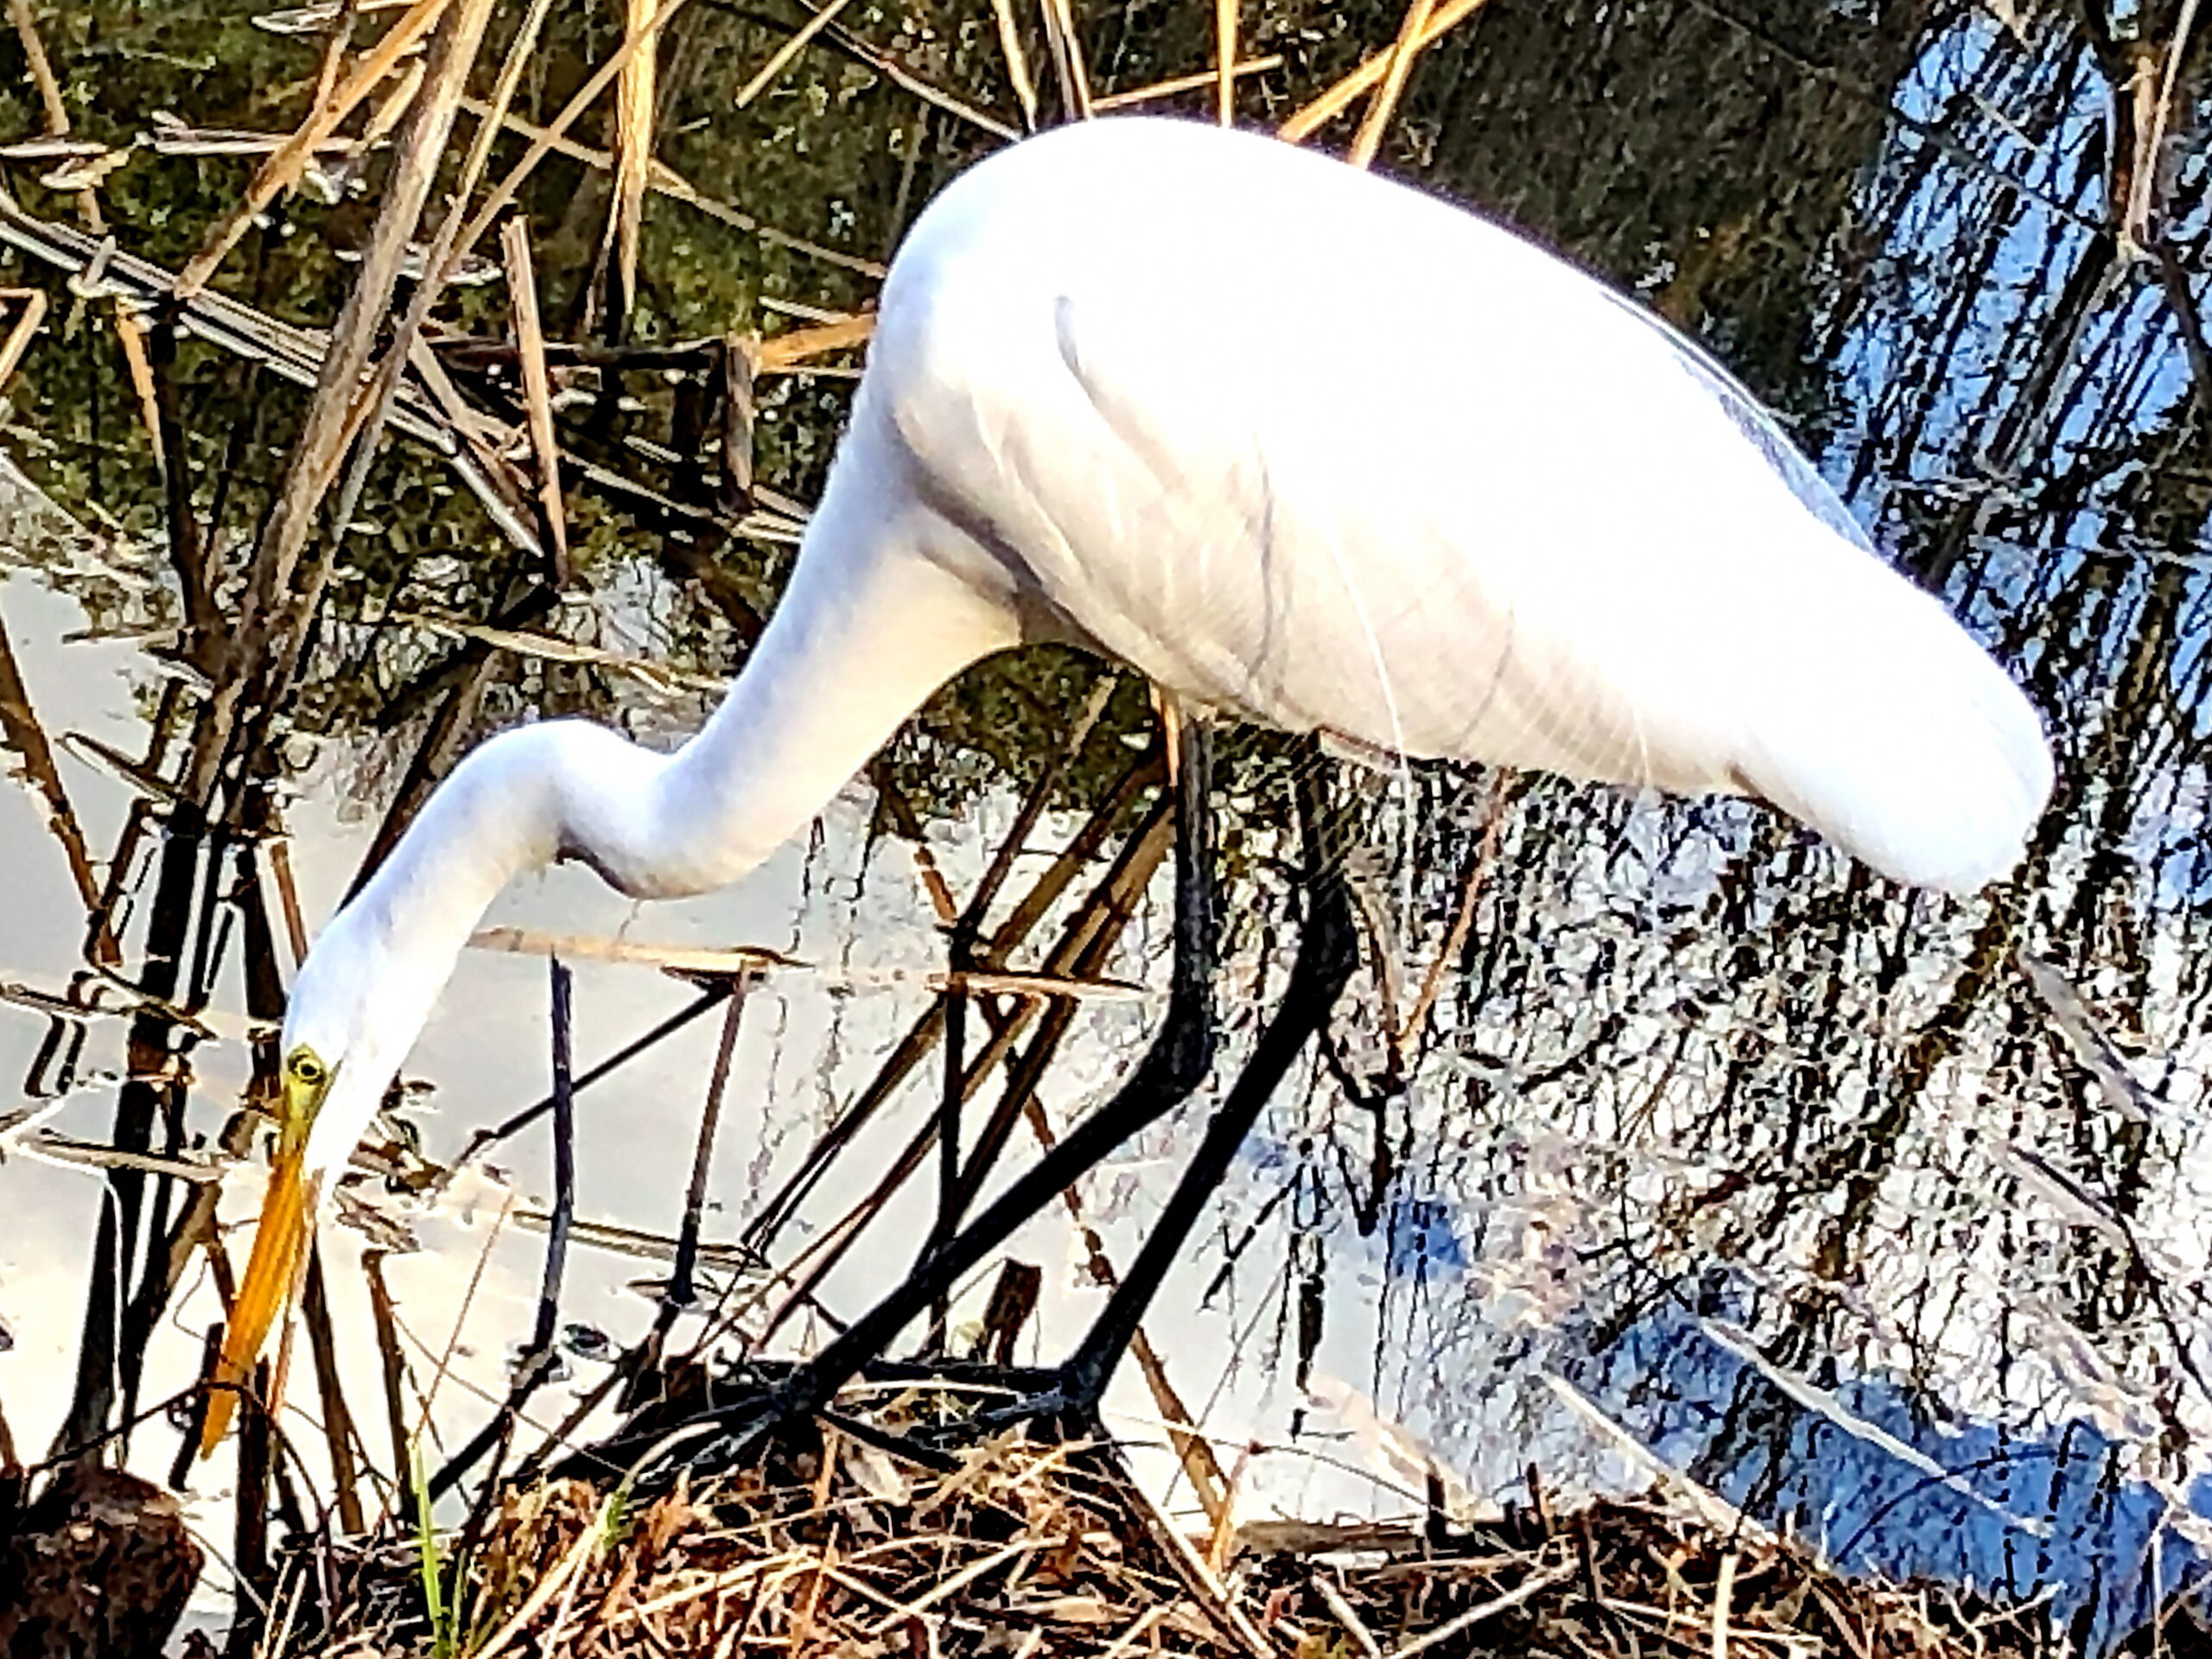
pixel 1446 555
pixel 1755 421
pixel 1528 525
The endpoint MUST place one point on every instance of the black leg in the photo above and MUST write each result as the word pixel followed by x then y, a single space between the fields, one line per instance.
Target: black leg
pixel 1327 953
pixel 1174 1065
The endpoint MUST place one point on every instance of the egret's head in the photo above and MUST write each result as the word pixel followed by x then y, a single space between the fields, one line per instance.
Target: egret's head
pixel 353 1012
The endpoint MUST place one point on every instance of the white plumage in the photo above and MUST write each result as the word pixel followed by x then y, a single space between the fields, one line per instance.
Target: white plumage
pixel 1304 447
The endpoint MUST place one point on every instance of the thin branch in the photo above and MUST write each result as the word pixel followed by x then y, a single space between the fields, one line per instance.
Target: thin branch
pixel 1411 31
pixel 781 58
pixel 1336 100
pixel 283 169
pixel 536 389
pixel 1224 60
pixel 1017 62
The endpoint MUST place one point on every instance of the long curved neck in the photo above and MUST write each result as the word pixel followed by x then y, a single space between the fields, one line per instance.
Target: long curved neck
pixel 874 619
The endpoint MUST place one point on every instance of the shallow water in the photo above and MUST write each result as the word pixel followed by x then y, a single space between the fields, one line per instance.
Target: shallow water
pixel 1692 1068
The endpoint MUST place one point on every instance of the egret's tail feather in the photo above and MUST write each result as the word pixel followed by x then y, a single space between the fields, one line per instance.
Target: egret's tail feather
pixel 1907 745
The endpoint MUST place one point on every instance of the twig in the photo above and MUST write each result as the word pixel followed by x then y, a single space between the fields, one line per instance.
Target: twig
pixel 529 1114
pixel 282 168
pixel 1225 59
pixel 786 351
pixel 334 49
pixel 1017 62
pixel 1463 916
pixel 564 1164
pixel 1339 97
pixel 1067 58
pixel 537 390
pixel 885 64
pixel 281 599
pixel 42 76
pixel 1190 1567
pixel 2150 142
pixel 1411 31
pixel 633 149
pixel 391 1360
pixel 2180 298
pixel 295 354
pixel 1347 1616
pixel 635 41
pixel 680 1293
pixel 1534 1585
pixel 1179 84
pixel 21 333
pixel 780 58
pixel 337 1420
pixel 665 180
pixel 1723 1589
pixel 757 960
pixel 550 1585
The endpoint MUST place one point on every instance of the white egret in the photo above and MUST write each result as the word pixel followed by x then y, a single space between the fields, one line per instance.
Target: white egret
pixel 1305 447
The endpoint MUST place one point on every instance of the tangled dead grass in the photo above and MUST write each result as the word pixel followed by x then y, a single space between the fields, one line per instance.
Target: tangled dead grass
pixel 823 1545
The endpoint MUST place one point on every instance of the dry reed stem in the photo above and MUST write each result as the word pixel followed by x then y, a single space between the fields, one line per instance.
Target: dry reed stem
pixel 1722 1591
pixel 365 419
pixel 664 180
pixel 1337 99
pixel 1224 60
pixel 550 1586
pixel 22 330
pixel 536 386
pixel 54 112
pixel 1068 64
pixel 139 366
pixel 780 58
pixel 337 1418
pixel 1348 1616
pixel 1228 1616
pixel 282 168
pixel 693 959
pixel 1385 105
pixel 1017 62
pixel 1109 102
pixel 343 405
pixel 2137 231
pixel 551 648
pixel 390 109
pixel 335 45
pixel 503 194
pixel 491 116
pixel 1192 1450
pixel 42 76
pixel 1462 916
pixel 391 1356
pixel 1534 1584
pixel 635 91
pixel 787 351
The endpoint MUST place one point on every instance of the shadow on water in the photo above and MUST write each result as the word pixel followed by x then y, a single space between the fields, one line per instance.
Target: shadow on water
pixel 1939 1167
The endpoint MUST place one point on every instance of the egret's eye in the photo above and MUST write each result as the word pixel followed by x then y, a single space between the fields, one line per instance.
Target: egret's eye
pixel 304 1069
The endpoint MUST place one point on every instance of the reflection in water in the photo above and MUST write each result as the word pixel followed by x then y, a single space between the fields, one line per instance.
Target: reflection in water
pixel 1692 1067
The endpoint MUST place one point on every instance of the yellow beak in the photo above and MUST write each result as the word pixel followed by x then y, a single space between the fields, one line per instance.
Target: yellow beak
pixel 273 1275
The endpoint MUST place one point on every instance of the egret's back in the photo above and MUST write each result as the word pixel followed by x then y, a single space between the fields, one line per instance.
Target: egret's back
pixel 1326 452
